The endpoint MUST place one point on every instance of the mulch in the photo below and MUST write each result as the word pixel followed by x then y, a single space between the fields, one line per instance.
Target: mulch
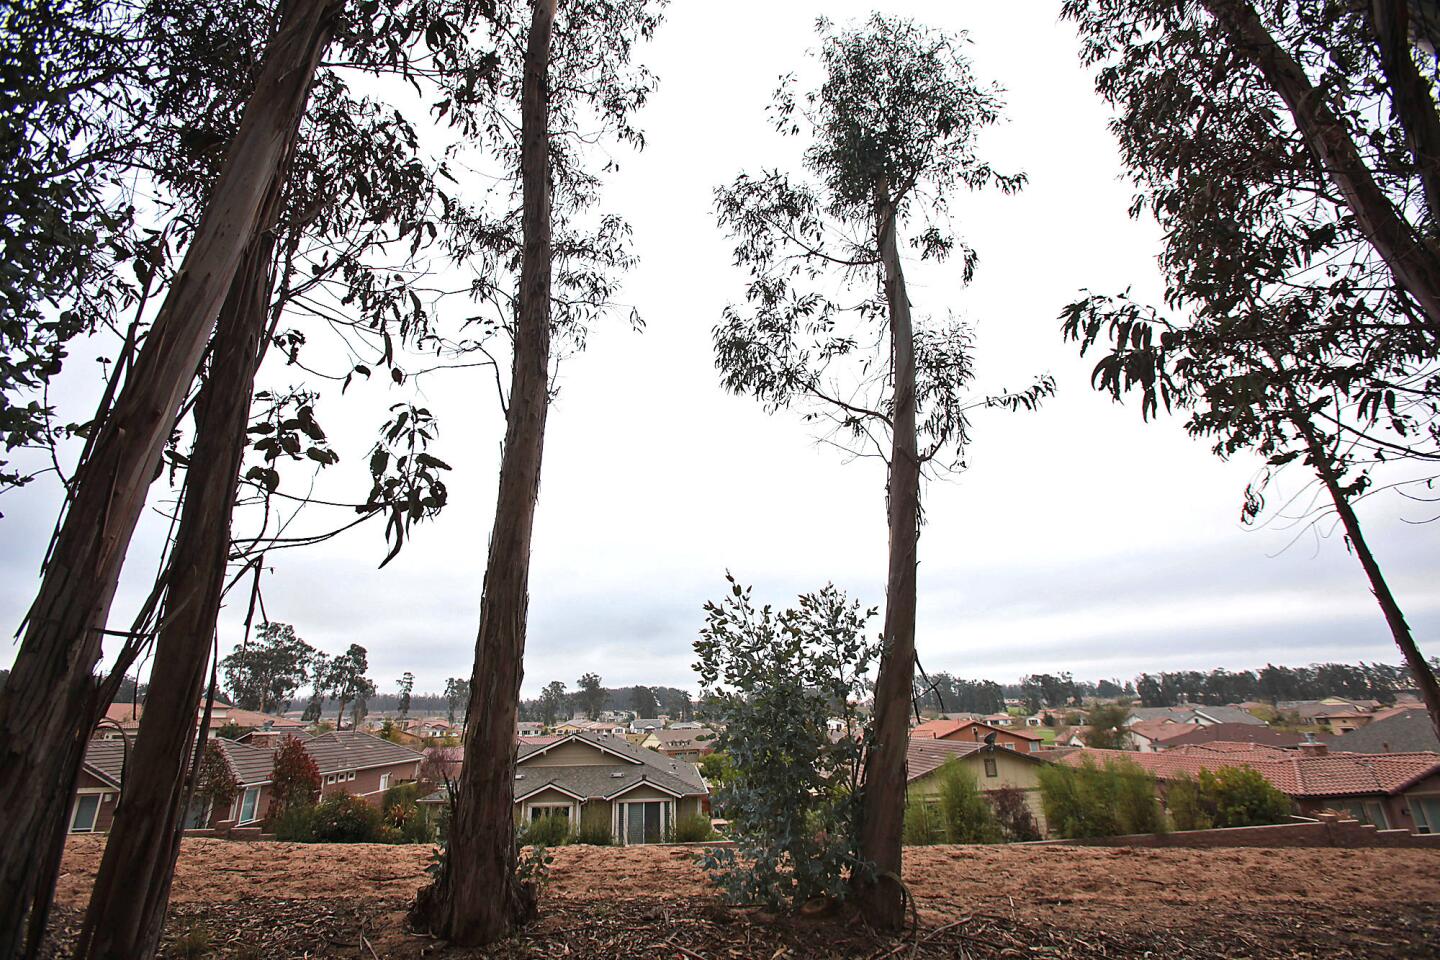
pixel 702 928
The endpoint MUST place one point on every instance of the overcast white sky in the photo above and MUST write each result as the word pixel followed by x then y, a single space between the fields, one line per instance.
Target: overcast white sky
pixel 1080 539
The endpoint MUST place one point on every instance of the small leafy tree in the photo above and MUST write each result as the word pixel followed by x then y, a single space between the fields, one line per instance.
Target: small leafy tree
pixel 295 779
pixel 717 768
pixel 552 702
pixel 1012 812
pixel 265 674
pixel 1228 797
pixel 965 813
pixel 1106 727
pixel 591 695
pixel 1094 801
pixel 215 782
pixel 771 680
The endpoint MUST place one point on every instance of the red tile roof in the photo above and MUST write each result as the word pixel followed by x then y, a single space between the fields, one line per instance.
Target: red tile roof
pixel 948 729
pixel 1327 775
pixel 1161 729
pixel 1233 733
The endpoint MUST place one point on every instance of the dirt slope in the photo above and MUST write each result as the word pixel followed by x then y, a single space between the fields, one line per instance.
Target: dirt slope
pixel 1258 902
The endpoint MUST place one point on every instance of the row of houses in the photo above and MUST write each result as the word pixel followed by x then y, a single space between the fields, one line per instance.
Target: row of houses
pixel 349 761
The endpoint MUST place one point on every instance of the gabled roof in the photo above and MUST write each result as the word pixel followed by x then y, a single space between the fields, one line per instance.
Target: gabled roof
pixel 1229 713
pixel 1401 732
pixel 1232 733
pixel 356 750
pixel 251 764
pixel 1162 728
pixel 632 765
pixel 105 761
pixel 950 729
pixel 925 755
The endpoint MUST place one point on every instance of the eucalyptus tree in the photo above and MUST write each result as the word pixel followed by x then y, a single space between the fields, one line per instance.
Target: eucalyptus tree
pixel 826 323
pixel 52 684
pixel 1297 323
pixel 552 702
pixel 567 72
pixel 590 695
pixel 406 683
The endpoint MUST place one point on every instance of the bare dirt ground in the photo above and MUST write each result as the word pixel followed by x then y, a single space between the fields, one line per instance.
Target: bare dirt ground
pixel 320 900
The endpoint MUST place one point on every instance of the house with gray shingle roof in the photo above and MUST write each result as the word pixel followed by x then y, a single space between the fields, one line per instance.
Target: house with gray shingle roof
pixel 604 782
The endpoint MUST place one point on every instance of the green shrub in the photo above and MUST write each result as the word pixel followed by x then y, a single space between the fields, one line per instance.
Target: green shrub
pixel 596 833
pixel 923 823
pixel 1013 814
pixel 964 812
pixel 401 795
pixel 193 944
pixel 1228 797
pixel 772 679
pixel 295 824
pixel 1091 801
pixel 551 830
pixel 692 829
pixel 346 819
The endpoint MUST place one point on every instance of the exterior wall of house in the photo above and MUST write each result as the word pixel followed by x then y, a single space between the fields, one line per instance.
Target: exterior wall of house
pixel 86 786
pixel 1010 771
pixel 603 812
pixel 572 754
pixel 371 784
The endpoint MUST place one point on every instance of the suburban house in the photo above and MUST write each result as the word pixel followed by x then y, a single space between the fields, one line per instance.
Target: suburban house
pixel 688 745
pixel 645 724
pixel 1390 790
pixel 609 728
pixel 97 789
pixel 126 716
pixel 994 769
pixel 605 782
pixel 529 728
pixel 975 731
pixel 1393 731
pixel 1197 734
pixel 1196 713
pixel 349 761
pixel 1340 722
pixel 1147 736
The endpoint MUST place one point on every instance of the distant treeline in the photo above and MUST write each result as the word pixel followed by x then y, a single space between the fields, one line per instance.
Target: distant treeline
pixel 942 692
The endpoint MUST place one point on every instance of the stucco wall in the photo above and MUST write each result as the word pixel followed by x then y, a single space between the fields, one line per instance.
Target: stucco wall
pixel 1011 771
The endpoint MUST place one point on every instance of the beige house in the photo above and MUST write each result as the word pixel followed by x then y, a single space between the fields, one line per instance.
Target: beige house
pixel 604 781
pixel 994 769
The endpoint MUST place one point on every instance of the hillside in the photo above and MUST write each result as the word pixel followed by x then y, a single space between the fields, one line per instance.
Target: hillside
pixel 294 900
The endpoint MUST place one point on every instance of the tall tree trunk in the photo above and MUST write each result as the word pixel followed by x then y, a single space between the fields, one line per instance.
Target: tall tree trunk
pixel 883 811
pixel 1412 263
pixel 1410 96
pixel 50 694
pixel 477 899
pixel 1394 617
pixel 132 888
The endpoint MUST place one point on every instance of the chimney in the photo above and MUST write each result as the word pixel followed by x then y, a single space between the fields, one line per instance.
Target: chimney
pixel 1312 747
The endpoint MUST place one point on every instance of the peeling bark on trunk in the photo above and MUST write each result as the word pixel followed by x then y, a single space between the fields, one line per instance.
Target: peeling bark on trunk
pixel 1394 616
pixel 50 697
pixel 132 888
pixel 883 813
pixel 1410 95
pixel 477 899
pixel 1413 264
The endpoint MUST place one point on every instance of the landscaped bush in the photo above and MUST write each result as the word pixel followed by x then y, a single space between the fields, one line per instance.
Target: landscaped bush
pixel 295 824
pixel 347 819
pixel 966 815
pixel 1091 801
pixel 692 829
pixel 596 833
pixel 772 679
pixel 1228 797
pixel 923 823
pixel 547 831
pixel 1012 812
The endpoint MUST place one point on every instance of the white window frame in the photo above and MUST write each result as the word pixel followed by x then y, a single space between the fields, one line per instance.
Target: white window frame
pixel 75 809
pixel 571 808
pixel 240 808
pixel 384 781
pixel 619 820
